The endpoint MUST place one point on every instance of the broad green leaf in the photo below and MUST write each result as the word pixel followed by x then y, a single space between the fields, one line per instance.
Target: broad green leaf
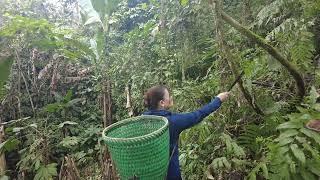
pixel 314 166
pixel 9 145
pixel 298 153
pixel 313 95
pixel 144 6
pixel 53 107
pixel 68 96
pixel 307 175
pixel 288 133
pixel 101 43
pixel 252 176
pixel 184 2
pixel 311 134
pixel 91 14
pixel 105 7
pixel 37 164
pixel 285 141
pixel 283 150
pixel 315 153
pixel 283 172
pixel 46 172
pixel 68 141
pixel 301 139
pixel 100 6
pixel 289 125
pixel 265 170
pixel 93 47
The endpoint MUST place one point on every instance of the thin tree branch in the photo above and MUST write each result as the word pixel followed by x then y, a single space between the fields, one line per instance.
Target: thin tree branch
pixel 230 59
pixel 26 84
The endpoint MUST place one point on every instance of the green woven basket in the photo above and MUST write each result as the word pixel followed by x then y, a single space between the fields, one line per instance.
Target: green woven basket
pixel 139 147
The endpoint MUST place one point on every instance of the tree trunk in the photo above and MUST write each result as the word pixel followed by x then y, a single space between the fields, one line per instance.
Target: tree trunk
pixel 108 170
pixel 104 96
pixel 107 103
pixel 316 32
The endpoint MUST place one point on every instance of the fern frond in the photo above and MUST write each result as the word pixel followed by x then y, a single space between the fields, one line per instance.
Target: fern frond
pixel 249 137
pixel 302 51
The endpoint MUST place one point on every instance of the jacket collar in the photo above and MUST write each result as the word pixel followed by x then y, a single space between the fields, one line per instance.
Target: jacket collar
pixel 157 112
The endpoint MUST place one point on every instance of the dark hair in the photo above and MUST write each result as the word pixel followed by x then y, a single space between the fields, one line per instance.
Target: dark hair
pixel 153 96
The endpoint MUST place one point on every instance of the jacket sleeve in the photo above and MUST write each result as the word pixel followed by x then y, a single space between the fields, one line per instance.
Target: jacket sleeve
pixel 182 121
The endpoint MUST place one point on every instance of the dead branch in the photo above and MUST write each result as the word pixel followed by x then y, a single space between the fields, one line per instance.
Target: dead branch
pixel 26 84
pixel 128 105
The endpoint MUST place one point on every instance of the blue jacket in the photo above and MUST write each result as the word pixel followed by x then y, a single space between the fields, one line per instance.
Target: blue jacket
pixel 179 122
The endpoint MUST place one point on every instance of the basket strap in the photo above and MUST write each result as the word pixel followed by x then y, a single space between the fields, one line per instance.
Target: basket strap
pixel 174 148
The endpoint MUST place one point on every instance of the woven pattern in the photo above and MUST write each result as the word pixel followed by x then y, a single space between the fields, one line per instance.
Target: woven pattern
pixel 139 147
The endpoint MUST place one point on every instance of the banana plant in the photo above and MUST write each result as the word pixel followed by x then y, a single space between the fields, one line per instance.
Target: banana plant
pixel 97 14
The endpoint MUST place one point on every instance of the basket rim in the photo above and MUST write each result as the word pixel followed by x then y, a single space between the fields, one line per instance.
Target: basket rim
pixel 138 138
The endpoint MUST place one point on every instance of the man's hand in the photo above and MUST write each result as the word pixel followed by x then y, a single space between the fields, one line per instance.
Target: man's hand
pixel 223 96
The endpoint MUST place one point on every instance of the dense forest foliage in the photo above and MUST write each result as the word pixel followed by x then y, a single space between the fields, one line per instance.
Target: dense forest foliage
pixel 69 68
